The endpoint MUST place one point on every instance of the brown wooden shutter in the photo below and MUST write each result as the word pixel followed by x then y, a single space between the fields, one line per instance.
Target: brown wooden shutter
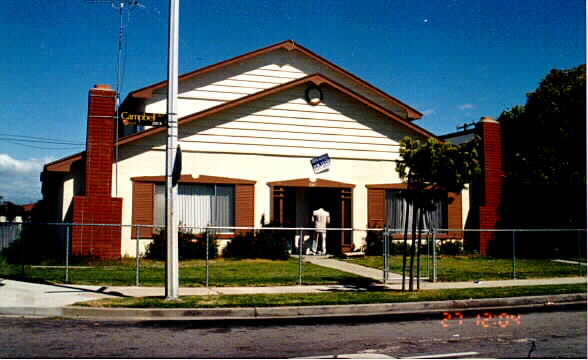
pixel 143 208
pixel 454 214
pixel 244 206
pixel 376 207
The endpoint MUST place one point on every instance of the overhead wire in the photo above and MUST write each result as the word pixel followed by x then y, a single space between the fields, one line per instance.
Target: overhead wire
pixel 41 147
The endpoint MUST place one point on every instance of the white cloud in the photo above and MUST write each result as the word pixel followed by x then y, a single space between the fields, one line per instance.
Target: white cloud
pixel 19 179
pixel 428 112
pixel 466 106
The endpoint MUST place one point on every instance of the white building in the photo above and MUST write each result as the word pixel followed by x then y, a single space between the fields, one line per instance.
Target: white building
pixel 249 127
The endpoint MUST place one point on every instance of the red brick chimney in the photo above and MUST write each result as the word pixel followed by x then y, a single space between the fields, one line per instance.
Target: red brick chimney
pixel 492 179
pixel 97 206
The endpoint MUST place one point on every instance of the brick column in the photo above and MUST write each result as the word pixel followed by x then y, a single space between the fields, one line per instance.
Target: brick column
pixel 97 206
pixel 492 179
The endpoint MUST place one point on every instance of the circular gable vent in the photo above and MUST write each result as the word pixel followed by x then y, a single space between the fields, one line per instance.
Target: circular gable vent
pixel 314 95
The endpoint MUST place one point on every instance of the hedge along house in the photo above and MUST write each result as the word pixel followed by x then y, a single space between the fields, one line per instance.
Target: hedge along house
pixel 248 128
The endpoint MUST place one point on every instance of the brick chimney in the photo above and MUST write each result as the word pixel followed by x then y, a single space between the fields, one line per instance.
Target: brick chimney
pixel 97 206
pixel 490 131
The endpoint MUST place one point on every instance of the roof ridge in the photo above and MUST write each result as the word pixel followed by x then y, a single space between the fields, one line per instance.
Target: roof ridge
pixel 316 78
pixel 290 45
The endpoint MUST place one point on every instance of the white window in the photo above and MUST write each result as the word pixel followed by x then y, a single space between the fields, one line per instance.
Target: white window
pixel 199 205
pixel 396 212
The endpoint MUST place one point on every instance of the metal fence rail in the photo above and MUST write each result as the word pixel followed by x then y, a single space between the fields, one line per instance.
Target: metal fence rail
pixel 436 260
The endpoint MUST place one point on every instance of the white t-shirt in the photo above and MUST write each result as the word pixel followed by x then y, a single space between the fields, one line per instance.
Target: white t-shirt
pixel 320 218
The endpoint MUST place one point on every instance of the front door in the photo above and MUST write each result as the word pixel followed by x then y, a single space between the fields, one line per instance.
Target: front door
pixel 293 206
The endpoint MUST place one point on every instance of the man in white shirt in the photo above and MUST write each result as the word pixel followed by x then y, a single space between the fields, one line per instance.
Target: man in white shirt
pixel 320 218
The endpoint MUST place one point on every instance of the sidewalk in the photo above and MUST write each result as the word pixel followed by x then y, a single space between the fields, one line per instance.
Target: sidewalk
pixel 22 298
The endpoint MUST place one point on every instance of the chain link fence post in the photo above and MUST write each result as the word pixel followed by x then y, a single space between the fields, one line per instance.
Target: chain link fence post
pixel 514 258
pixel 300 246
pixel 22 251
pixel 434 255
pixel 206 261
pixel 67 254
pixel 428 254
pixel 580 257
pixel 137 254
pixel 386 253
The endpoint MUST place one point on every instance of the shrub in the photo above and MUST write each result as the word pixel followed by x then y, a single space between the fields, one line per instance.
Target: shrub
pixel 190 246
pixel 36 244
pixel 452 248
pixel 272 244
pixel 374 243
pixel 263 244
pixel 241 247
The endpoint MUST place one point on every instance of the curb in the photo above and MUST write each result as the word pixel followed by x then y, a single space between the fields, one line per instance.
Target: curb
pixel 320 311
pixel 32 311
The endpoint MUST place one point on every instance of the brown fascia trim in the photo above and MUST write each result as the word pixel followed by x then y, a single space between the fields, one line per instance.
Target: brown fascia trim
pixel 202 179
pixel 396 186
pixel 457 133
pixel 316 79
pixel 400 186
pixel 147 92
pixel 64 164
pixel 306 182
pixel 412 113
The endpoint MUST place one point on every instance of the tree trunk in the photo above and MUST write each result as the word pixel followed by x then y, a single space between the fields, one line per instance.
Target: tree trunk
pixel 412 246
pixel 405 250
pixel 421 211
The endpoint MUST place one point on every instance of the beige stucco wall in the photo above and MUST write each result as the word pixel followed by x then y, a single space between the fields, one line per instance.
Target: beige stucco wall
pixel 270 139
pixel 273 139
pixel 262 169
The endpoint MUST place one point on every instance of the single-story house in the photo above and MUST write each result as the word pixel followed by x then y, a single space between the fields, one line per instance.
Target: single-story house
pixel 249 127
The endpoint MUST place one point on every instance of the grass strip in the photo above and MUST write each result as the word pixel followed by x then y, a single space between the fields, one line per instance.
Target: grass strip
pixel 333 298
pixel 469 268
pixel 222 272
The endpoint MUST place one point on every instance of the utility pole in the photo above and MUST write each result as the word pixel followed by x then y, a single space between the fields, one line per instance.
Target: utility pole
pixel 172 281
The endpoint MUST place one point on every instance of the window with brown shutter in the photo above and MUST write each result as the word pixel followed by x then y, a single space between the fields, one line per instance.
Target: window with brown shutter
pixel 377 209
pixel 146 199
pixel 143 194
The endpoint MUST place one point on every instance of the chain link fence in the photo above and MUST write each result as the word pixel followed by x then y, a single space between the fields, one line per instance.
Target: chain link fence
pixel 262 256
pixel 498 254
pixel 211 256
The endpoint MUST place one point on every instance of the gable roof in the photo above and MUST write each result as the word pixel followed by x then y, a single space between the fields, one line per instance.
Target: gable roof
pixel 64 164
pixel 315 79
pixel 289 45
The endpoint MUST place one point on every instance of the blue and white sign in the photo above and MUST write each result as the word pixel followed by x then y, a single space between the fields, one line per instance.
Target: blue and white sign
pixel 321 163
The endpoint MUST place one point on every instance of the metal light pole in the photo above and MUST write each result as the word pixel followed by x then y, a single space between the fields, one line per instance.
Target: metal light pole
pixel 172 281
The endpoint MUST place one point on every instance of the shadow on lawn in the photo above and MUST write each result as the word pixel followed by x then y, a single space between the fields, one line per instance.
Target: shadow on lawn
pixel 357 284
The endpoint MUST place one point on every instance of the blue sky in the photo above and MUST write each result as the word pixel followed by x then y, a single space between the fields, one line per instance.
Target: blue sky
pixel 455 61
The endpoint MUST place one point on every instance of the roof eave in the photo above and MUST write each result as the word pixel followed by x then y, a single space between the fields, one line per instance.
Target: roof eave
pixel 316 79
pixel 147 92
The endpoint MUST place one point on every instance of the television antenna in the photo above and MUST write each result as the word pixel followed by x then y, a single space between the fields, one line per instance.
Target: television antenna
pixel 124 7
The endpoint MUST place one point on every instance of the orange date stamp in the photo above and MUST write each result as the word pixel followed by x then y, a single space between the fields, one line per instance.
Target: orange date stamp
pixel 484 320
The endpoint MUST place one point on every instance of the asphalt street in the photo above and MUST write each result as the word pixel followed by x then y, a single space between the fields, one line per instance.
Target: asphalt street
pixel 505 334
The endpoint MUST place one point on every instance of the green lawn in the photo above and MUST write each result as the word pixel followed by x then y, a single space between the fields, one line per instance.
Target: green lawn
pixel 192 273
pixel 469 268
pixel 334 298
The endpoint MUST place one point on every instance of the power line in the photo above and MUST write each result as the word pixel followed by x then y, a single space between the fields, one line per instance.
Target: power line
pixel 6 138
pixel 41 147
pixel 31 138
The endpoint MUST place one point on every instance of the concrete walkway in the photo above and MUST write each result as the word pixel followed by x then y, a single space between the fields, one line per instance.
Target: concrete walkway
pixel 345 266
pixel 394 280
pixel 24 298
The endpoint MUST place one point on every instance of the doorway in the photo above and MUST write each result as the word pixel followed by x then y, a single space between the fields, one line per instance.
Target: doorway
pixel 292 206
